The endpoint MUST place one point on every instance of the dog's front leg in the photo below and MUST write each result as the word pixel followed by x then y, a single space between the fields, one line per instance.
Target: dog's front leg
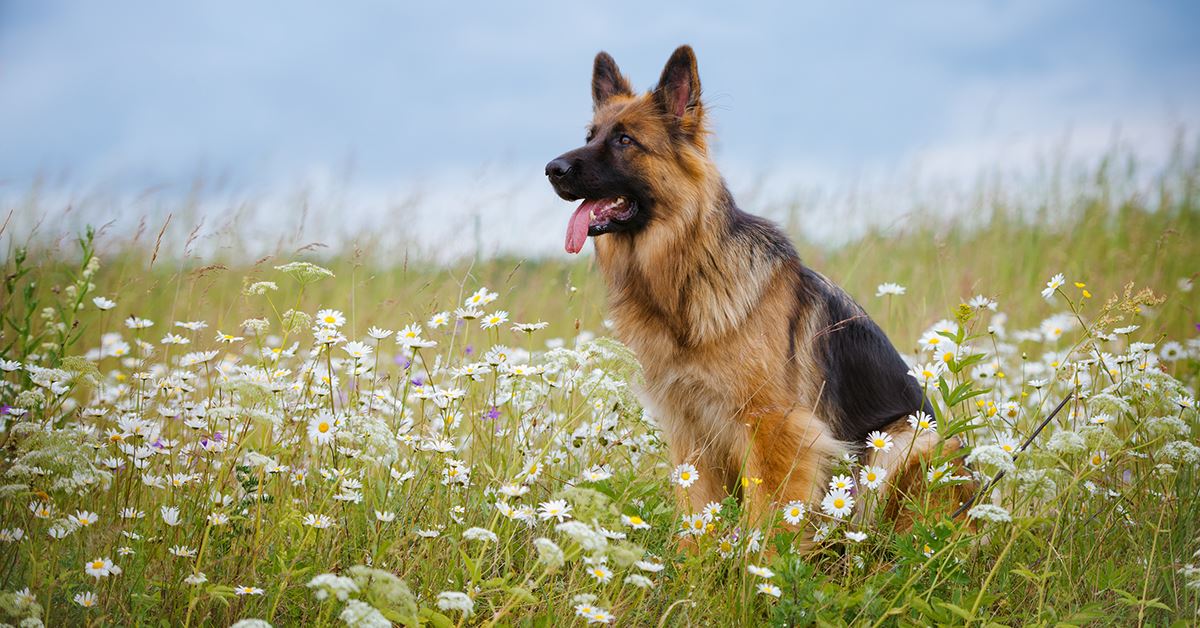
pixel 706 464
pixel 787 461
pixel 707 485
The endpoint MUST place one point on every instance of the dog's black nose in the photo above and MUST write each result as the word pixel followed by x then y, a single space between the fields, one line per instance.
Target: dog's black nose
pixel 558 168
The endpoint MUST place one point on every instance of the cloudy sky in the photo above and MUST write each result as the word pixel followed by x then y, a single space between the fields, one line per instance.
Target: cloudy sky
pixel 385 96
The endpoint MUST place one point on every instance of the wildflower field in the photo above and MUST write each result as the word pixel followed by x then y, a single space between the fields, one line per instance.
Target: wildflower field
pixel 304 443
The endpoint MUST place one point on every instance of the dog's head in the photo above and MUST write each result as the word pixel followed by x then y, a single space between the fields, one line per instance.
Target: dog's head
pixel 635 145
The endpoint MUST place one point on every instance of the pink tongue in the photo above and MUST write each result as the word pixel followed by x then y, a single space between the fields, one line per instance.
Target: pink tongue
pixel 577 229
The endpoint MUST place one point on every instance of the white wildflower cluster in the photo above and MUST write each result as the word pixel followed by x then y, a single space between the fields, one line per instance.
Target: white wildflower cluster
pixel 1124 404
pixel 294 421
pixel 465 439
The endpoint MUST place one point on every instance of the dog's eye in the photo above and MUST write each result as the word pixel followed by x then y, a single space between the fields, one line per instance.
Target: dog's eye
pixel 624 140
pixel 590 134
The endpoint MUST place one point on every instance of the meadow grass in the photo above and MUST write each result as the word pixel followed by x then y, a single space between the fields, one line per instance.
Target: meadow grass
pixel 275 458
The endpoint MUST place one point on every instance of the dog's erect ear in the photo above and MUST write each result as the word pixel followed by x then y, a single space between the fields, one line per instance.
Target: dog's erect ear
pixel 678 91
pixel 607 80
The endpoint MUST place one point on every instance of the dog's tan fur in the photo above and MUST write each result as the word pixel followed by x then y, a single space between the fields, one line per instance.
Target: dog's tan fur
pixel 726 345
pixel 709 325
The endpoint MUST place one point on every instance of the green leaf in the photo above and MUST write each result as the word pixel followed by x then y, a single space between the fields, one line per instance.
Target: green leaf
pixel 523 594
pixel 923 607
pixel 437 619
pixel 974 358
pixel 1086 614
pixel 492 583
pixel 957 610
pixel 1156 604
pixel 963 392
pixel 1127 598
pixel 471 564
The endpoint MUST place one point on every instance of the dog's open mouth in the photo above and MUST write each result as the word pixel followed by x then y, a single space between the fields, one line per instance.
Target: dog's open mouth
pixel 595 217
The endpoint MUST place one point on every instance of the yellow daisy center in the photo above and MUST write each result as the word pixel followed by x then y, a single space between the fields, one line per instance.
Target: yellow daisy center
pixel 839 503
pixel 322 427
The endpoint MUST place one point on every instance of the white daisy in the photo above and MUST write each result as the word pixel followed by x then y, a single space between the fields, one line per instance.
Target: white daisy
pixel 766 588
pixel 684 475
pixel 838 503
pixel 872 477
pixel 879 441
pixel 1054 284
pixel 793 513
pixel 761 572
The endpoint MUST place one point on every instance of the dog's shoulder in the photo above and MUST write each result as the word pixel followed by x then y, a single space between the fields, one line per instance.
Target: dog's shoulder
pixel 867 384
pixel 760 233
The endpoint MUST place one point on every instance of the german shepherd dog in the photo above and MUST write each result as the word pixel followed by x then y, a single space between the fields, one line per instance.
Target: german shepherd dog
pixel 755 366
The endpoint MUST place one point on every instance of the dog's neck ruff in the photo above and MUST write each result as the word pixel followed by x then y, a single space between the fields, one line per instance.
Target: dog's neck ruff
pixel 691 269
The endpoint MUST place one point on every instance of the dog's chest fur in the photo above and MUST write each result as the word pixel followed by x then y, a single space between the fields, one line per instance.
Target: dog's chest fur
pixel 712 337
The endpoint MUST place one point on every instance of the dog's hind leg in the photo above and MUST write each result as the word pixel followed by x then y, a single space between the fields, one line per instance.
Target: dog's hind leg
pixel 907 466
